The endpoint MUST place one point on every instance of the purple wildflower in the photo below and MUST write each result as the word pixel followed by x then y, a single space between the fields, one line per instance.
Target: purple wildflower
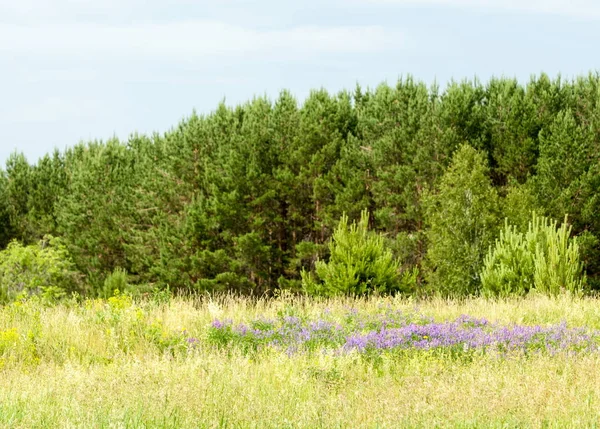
pixel 394 330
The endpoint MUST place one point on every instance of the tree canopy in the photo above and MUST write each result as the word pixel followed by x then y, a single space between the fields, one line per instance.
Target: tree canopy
pixel 247 197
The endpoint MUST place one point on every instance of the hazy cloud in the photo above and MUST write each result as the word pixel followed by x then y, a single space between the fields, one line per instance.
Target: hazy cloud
pixel 52 109
pixel 193 38
pixel 72 69
pixel 586 9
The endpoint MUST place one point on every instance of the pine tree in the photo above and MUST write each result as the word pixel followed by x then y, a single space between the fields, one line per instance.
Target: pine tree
pixel 568 179
pixel 359 264
pixel 17 189
pixel 6 230
pixel 513 127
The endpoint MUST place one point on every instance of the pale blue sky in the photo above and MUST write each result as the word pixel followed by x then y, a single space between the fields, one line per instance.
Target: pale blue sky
pixel 73 70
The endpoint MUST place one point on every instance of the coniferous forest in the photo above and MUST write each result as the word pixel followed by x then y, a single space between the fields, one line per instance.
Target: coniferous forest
pixel 451 187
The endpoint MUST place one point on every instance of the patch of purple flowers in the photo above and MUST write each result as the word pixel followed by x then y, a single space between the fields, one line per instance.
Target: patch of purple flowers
pixel 393 330
pixel 459 336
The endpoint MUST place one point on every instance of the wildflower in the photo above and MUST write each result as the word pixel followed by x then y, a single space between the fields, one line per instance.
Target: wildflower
pixel 394 330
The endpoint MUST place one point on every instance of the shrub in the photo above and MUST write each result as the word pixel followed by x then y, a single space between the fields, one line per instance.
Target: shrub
pixel 114 283
pixel 43 269
pixel 544 258
pixel 359 264
pixel 509 266
pixel 557 260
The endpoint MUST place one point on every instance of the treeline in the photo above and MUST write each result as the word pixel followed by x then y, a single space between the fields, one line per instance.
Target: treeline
pixel 247 197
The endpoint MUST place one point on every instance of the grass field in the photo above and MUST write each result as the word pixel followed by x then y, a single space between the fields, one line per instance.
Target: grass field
pixel 184 363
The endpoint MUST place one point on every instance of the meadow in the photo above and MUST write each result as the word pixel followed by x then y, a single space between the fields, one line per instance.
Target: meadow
pixel 226 361
pixel 473 209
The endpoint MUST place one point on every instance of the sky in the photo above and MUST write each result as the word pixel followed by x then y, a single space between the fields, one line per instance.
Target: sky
pixel 80 70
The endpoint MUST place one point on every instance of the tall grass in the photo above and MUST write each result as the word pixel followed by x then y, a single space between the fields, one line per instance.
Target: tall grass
pixel 122 363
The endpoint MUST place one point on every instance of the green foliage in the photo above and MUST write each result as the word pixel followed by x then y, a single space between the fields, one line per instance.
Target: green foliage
pixel 114 283
pixel 544 258
pixel 359 264
pixel 6 230
pixel 512 127
pixel 568 172
pixel 462 217
pixel 557 262
pixel 519 203
pixel 16 194
pixel 44 270
pixel 246 197
pixel 510 265
pixel 95 215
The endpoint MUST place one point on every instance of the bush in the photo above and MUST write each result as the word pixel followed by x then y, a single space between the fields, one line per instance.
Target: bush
pixel 359 264
pixel 509 266
pixel 544 259
pixel 43 270
pixel 114 283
